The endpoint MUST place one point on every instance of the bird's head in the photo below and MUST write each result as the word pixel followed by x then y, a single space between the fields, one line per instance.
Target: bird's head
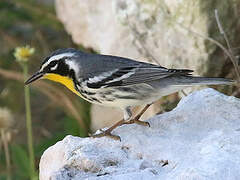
pixel 60 66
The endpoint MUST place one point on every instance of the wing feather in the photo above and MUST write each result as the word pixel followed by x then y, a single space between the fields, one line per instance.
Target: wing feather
pixel 136 75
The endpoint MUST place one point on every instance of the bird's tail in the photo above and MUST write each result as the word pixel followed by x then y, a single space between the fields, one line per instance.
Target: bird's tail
pixel 190 80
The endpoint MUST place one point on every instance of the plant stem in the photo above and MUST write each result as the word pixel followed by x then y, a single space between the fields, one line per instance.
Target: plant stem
pixel 29 123
pixel 7 156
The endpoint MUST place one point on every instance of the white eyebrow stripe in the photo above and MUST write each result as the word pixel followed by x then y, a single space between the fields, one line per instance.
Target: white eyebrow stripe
pixel 56 57
pixel 60 56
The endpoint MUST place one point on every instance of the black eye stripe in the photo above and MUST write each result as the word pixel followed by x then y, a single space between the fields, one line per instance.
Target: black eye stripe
pixel 63 68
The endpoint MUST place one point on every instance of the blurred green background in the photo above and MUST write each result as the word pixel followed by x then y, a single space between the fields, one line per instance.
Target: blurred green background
pixel 56 112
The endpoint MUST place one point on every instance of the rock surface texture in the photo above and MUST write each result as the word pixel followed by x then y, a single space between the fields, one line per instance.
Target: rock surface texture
pixel 200 139
pixel 165 28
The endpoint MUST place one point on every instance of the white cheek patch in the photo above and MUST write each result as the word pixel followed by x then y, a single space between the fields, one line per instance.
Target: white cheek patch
pixel 73 65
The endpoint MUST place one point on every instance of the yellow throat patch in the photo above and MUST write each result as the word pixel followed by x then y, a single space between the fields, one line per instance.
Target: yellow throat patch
pixel 66 81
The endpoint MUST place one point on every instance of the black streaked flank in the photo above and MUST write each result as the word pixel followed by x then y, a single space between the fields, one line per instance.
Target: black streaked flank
pixel 109 99
pixel 88 93
pixel 128 89
pixel 125 97
pixel 95 99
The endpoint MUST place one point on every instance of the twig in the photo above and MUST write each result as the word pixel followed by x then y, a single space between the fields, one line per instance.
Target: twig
pixel 232 57
pixel 213 41
pixel 221 30
pixel 6 151
pixel 235 93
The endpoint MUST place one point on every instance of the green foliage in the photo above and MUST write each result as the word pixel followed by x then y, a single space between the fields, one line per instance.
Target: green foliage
pixel 19 153
pixel 31 22
pixel 3 177
pixel 70 127
pixel 8 9
pixel 21 161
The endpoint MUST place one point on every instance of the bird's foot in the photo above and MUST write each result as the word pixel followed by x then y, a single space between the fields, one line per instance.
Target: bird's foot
pixel 142 123
pixel 109 130
pixel 107 134
pixel 136 118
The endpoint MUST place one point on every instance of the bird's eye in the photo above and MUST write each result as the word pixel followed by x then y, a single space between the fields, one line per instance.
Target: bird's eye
pixel 50 67
pixel 53 63
pixel 54 67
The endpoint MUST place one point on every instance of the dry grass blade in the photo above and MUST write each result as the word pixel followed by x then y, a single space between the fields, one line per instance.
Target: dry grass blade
pixel 231 55
pixel 65 100
pixel 225 50
pixel 50 91
pixel 6 152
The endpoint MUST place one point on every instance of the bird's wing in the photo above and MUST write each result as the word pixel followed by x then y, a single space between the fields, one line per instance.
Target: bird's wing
pixel 130 75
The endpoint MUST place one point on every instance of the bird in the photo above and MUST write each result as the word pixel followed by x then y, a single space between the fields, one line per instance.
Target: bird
pixel 116 81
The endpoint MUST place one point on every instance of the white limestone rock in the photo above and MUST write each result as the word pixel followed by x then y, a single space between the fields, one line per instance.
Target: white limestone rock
pixel 200 139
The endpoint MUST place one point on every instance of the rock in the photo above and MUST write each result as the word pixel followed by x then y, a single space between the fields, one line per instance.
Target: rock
pixel 163 28
pixel 199 139
pixel 128 27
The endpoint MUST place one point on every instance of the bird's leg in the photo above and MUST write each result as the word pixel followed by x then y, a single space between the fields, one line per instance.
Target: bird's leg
pixel 127 115
pixel 138 116
pixel 109 130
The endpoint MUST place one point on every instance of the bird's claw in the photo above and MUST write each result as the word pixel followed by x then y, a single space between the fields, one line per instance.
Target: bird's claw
pixel 142 123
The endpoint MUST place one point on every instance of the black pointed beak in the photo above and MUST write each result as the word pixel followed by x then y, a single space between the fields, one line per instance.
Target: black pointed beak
pixel 34 77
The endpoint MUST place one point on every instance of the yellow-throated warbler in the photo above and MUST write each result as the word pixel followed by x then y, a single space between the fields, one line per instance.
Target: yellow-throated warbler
pixel 116 81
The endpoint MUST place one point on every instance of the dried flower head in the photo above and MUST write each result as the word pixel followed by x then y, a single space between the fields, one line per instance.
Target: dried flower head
pixel 6 118
pixel 22 54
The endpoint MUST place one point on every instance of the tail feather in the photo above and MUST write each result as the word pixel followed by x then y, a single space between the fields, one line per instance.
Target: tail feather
pixel 191 80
